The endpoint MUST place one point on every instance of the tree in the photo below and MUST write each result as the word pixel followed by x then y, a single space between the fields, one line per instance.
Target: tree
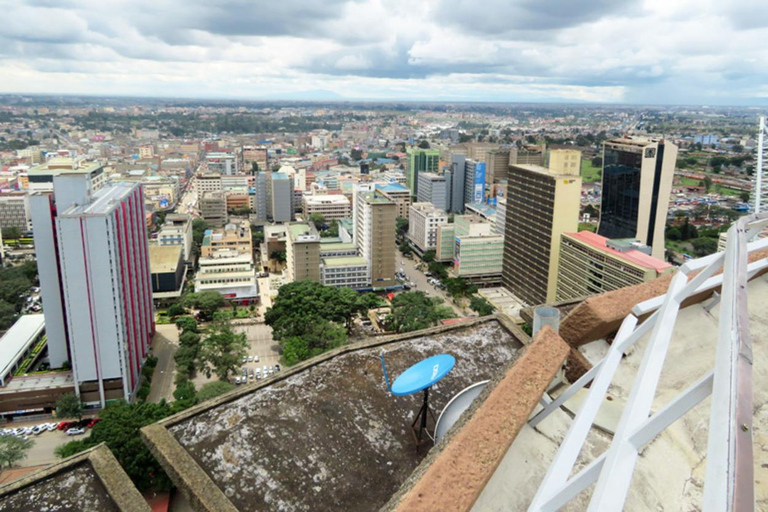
pixel 412 311
pixel 704 246
pixel 207 302
pixel 356 154
pixel 221 351
pixel 429 256
pixel 317 219
pixel 424 144
pixel 278 256
pixel 11 233
pixel 673 233
pixel 401 226
pixel 688 230
pixel 405 249
pixel 320 336
pixel 176 310
pixel 744 196
pixel 69 406
pixel 213 389
pixel 199 227
pixel 597 161
pixel 7 315
pixel 186 324
pixel 119 429
pixel 707 183
pixel 332 231
pixel 438 270
pixel 481 306
pixel 13 449
pixel 185 391
pixel 254 167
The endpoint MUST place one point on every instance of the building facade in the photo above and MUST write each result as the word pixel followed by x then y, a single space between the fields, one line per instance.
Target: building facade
pixel 540 207
pixel 341 271
pixel 637 183
pixel 418 161
pixel 14 211
pixel 282 197
pixel 177 230
pixel 423 222
pixel 398 194
pixel 591 264
pixel 565 161
pixel 375 230
pixel 478 251
pixel 331 207
pixel 302 252
pixel 213 208
pixel 434 189
pixel 93 262
pixel 497 166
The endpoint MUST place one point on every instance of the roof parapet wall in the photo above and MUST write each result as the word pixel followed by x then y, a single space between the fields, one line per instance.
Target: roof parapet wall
pixel 455 472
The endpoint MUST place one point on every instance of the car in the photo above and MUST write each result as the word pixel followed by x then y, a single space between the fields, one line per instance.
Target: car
pixel 250 359
pixel 245 359
pixel 428 274
pixel 237 381
pixel 52 426
pixel 75 431
pixel 277 367
pixel 402 262
pixel 256 359
pixel 93 422
pixel 63 425
pixel 250 372
pixel 264 369
pixel 251 376
pixel 37 430
pixel 244 371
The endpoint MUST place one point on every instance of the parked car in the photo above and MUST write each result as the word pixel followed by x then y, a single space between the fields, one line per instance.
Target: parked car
pixel 75 431
pixel 250 359
pixel 237 380
pixel 245 359
pixel 256 359
pixel 277 367
pixel 93 422
pixel 63 425
pixel 245 372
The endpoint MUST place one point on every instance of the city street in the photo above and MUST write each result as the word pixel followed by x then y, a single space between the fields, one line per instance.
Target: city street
pixel 422 281
pixel 164 345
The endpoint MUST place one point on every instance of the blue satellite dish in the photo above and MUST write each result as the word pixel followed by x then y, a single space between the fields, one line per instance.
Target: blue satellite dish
pixel 423 374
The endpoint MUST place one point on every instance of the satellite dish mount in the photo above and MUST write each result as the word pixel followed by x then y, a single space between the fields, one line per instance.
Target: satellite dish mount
pixel 420 377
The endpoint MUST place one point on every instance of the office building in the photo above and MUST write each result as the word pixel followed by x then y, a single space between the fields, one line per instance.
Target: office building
pixel 478 251
pixel 375 230
pixel 14 211
pixel 637 183
pixel 167 270
pixel 208 183
pixel 229 273
pixel 221 163
pixel 40 178
pixel 445 242
pixel 529 154
pixel 565 161
pixel 423 220
pixel 541 206
pixel 501 214
pixel 262 207
pixel 177 230
pixel 456 183
pixel 234 236
pixel 341 271
pixel 591 264
pixel 418 161
pixel 434 189
pixel 331 207
pixel 213 208
pixel 282 197
pixel 398 194
pixel 302 252
pixel 474 183
pixel 497 166
pixel 93 262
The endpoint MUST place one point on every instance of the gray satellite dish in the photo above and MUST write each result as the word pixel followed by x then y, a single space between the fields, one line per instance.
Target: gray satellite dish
pixel 455 407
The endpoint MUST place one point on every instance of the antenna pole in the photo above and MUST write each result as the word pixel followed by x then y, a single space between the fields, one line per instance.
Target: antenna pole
pixel 386 376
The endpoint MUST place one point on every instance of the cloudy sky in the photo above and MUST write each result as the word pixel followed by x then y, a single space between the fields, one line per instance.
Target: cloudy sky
pixel 631 51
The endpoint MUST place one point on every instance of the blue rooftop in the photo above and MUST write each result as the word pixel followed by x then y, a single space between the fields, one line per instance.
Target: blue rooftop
pixel 391 187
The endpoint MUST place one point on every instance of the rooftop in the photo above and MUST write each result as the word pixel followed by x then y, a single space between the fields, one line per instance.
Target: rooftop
pixel 17 339
pixel 164 258
pixel 92 480
pixel 327 199
pixel 633 256
pixel 392 187
pixel 56 166
pixel 303 232
pixel 345 261
pixel 326 434
pixel 103 201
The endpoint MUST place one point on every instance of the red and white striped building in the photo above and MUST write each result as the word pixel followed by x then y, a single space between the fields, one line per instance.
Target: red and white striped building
pixel 102 258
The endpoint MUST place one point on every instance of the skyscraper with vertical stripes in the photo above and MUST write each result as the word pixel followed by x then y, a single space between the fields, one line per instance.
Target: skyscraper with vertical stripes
pixel 96 250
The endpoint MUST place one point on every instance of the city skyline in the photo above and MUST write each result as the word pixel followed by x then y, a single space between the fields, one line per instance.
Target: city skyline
pixel 443 50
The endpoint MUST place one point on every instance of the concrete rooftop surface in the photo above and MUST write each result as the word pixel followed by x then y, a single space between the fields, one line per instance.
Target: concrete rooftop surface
pixel 90 481
pixel 669 475
pixel 326 435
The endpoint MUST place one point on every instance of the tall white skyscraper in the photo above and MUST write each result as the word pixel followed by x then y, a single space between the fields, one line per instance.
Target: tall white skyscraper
pixel 94 273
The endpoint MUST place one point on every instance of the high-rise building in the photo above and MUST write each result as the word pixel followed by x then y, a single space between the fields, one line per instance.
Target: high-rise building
pixel 375 229
pixel 434 189
pixel 541 206
pixel 261 203
pixel 14 211
pixel 474 182
pixel 221 163
pixel 177 230
pixel 637 182
pixel 302 252
pixel 530 154
pixel 94 272
pixel 478 251
pixel 497 166
pixel 213 208
pixel 282 197
pixel 331 207
pixel 591 264
pixel 424 219
pixel 565 161
pixel 456 174
pixel 418 161
pixel 398 194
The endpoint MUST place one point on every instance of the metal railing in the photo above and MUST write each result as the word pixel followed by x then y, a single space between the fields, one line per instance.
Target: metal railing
pixel 729 481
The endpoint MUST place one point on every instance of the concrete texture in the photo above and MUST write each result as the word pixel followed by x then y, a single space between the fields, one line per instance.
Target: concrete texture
pixel 454 480
pixel 90 481
pixel 325 435
pixel 669 475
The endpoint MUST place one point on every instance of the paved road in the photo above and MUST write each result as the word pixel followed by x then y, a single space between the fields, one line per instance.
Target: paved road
pixel 164 346
pixel 42 451
pixel 422 282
